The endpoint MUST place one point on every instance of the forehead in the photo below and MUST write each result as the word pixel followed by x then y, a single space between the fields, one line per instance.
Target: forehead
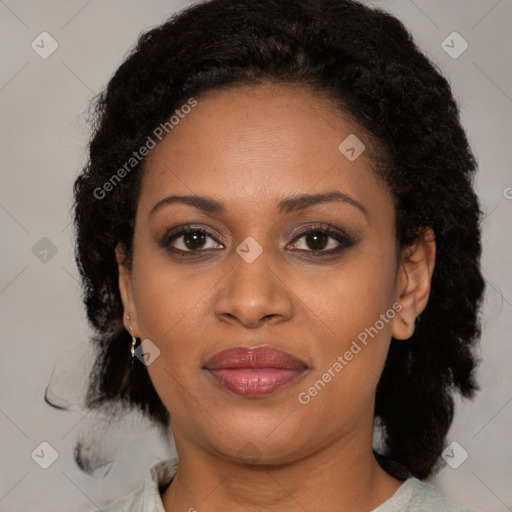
pixel 251 146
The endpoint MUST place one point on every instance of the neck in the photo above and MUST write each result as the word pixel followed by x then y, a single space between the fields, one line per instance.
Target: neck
pixel 342 476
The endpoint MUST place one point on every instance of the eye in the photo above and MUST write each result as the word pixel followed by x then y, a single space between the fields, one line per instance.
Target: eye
pixel 322 240
pixel 190 239
pixel 318 240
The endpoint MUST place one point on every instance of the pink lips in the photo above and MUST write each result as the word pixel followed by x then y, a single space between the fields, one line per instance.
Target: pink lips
pixel 254 372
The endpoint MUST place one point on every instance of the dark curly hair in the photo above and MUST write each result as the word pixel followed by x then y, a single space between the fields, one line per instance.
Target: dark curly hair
pixel 364 59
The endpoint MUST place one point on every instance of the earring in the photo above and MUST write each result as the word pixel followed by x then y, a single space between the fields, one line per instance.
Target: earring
pixel 134 339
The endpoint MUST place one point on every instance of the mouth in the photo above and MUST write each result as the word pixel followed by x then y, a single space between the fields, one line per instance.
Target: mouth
pixel 256 371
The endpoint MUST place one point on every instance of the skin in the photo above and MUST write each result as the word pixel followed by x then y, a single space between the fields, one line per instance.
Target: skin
pixel 249 148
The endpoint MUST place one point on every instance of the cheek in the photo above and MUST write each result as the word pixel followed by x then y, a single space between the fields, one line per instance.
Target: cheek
pixel 356 308
pixel 170 311
pixel 351 298
pixel 167 295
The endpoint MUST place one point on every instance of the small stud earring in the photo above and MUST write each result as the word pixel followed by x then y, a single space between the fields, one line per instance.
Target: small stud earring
pixel 134 340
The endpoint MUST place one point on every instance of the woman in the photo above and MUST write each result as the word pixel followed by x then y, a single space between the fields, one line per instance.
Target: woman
pixel 276 191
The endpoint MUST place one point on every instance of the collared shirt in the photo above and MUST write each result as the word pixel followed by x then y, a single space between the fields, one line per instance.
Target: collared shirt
pixel 412 496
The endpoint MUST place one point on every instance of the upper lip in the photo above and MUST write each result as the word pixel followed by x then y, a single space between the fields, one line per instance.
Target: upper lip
pixel 262 356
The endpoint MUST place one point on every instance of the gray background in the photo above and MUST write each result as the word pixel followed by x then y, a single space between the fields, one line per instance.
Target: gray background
pixel 43 138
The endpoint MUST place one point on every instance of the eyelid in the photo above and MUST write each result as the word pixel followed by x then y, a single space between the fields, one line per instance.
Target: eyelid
pixel 323 227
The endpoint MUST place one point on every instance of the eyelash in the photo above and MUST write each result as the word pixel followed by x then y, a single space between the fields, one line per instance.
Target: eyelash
pixel 344 240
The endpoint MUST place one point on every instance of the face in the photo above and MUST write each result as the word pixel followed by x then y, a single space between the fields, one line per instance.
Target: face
pixel 292 248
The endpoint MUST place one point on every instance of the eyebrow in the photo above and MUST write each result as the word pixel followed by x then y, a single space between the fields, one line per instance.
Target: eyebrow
pixel 288 205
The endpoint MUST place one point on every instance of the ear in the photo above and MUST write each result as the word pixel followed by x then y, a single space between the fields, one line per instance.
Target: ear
pixel 126 290
pixel 413 283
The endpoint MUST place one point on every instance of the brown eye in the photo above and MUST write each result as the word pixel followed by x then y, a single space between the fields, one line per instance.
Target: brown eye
pixel 190 240
pixel 194 240
pixel 322 241
pixel 316 240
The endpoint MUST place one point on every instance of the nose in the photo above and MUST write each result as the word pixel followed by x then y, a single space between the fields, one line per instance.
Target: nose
pixel 253 294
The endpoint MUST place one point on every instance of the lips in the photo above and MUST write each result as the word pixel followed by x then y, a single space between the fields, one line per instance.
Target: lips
pixel 254 371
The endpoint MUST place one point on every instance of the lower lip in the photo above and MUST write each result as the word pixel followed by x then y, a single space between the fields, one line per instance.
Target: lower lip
pixel 254 382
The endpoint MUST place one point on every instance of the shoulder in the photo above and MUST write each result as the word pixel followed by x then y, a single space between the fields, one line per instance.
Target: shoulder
pixel 417 496
pixel 147 497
